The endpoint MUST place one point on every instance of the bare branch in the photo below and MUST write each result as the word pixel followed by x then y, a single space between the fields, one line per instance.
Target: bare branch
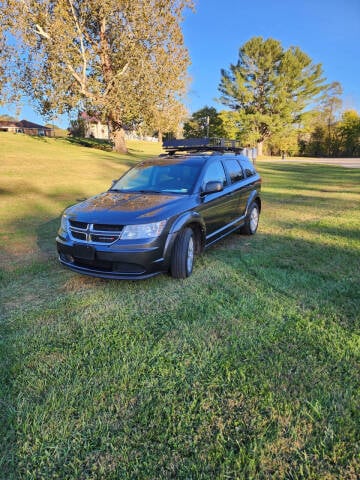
pixel 81 38
pixel 40 31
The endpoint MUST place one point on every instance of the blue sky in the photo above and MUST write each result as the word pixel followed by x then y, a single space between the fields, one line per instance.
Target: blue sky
pixel 327 30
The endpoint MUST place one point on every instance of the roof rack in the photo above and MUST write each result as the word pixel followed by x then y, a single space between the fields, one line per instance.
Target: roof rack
pixel 202 145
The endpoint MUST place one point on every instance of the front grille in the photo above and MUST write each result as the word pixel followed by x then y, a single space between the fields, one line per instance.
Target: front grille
pixel 94 232
pixel 79 236
pixel 107 228
pixel 104 238
pixel 78 224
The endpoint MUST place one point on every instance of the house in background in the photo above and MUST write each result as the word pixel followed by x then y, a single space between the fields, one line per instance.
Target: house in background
pixel 93 128
pixel 24 126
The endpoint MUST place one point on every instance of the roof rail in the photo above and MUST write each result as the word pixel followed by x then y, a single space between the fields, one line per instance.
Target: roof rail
pixel 202 145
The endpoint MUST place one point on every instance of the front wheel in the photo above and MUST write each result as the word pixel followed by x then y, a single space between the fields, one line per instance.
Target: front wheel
pixel 252 220
pixel 182 258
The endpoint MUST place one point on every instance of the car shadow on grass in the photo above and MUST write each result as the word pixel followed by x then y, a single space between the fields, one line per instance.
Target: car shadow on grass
pixel 319 276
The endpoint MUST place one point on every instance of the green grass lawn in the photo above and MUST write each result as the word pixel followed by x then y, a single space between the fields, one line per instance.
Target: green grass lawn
pixel 249 369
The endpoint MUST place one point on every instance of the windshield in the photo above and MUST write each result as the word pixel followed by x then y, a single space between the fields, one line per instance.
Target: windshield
pixel 174 177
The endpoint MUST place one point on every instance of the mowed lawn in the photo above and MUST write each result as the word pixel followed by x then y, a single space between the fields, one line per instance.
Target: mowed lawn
pixel 249 369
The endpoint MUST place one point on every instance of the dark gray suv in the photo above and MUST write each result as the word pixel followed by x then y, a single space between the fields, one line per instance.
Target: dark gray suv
pixel 163 212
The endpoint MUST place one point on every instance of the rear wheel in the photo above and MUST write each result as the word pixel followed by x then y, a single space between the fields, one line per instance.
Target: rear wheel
pixel 182 259
pixel 252 220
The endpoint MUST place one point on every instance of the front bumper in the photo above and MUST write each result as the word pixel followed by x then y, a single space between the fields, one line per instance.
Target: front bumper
pixel 113 262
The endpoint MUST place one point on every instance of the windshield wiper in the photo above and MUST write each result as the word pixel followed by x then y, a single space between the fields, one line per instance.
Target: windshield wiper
pixel 134 191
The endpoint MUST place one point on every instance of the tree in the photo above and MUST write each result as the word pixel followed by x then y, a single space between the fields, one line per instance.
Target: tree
pixel 113 58
pixel 7 118
pixel 270 87
pixel 330 104
pixel 206 122
pixel 167 117
pixel 283 143
pixel 6 61
pixel 349 128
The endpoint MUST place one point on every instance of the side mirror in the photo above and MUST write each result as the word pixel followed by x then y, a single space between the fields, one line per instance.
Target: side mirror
pixel 213 187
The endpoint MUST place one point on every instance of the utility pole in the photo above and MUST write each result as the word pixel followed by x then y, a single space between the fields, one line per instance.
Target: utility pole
pixel 207 126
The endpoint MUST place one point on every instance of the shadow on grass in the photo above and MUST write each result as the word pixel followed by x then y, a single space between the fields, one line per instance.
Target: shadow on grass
pixel 316 275
pixel 309 177
pixel 307 201
pixel 46 234
pixel 90 143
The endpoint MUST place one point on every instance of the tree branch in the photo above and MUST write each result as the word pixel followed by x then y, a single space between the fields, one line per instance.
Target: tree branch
pixel 82 46
pixel 40 31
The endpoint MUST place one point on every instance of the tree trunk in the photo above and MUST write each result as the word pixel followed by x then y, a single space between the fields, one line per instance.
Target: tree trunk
pixel 160 137
pixel 260 148
pixel 118 137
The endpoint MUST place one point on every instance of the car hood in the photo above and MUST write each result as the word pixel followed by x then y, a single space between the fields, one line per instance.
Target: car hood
pixel 127 208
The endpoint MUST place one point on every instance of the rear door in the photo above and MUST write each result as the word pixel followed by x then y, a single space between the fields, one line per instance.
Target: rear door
pixel 216 208
pixel 237 188
pixel 252 179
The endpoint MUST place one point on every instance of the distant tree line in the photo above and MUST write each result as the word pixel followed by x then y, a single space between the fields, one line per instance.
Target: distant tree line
pixel 315 137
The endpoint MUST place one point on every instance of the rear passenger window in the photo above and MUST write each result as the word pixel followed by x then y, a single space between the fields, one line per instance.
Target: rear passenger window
pixel 234 170
pixel 248 167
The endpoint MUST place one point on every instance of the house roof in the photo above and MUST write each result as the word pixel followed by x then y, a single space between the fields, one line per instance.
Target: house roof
pixel 27 124
pixel 22 124
pixel 89 118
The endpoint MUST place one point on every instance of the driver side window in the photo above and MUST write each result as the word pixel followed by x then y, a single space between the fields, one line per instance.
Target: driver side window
pixel 214 173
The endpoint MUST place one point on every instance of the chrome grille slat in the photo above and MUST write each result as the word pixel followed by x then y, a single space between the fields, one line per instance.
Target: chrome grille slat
pixel 91 233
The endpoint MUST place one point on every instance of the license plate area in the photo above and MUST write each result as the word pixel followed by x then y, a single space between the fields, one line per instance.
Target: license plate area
pixel 84 252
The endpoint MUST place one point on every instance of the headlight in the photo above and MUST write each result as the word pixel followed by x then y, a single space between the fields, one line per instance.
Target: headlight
pixel 147 230
pixel 63 224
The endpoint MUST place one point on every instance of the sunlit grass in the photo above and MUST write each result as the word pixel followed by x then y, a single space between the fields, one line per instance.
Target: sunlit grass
pixel 248 369
pixel 40 177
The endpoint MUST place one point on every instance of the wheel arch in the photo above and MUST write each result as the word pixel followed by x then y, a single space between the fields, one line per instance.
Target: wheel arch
pixel 253 198
pixel 192 220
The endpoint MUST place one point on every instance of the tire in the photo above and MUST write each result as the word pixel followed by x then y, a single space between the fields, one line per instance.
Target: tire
pixel 182 258
pixel 252 220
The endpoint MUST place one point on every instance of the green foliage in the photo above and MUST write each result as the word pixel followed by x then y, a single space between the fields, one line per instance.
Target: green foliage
pixel 283 143
pixel 337 138
pixel 205 122
pixel 235 126
pixel 167 117
pixel 77 126
pixel 349 128
pixel 270 87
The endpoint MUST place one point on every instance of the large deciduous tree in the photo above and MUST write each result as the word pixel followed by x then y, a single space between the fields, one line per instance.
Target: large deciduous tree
pixel 115 58
pixel 270 87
